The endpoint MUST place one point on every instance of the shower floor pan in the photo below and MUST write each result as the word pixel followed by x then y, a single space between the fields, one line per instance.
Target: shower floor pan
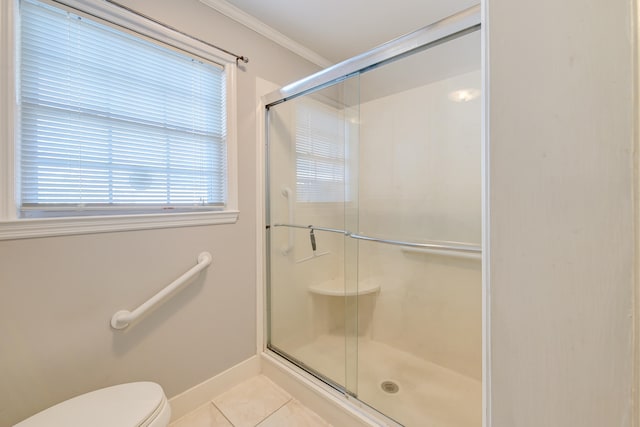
pixel 425 394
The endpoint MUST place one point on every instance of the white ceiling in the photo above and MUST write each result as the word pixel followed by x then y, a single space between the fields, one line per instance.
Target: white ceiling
pixel 340 29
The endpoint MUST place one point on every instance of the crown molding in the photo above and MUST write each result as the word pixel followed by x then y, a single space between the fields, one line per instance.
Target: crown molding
pixel 263 29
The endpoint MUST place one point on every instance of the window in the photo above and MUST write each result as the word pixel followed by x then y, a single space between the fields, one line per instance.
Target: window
pixel 320 153
pixel 109 121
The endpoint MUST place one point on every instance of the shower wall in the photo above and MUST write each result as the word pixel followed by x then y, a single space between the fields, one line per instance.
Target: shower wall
pixel 420 180
pixel 420 162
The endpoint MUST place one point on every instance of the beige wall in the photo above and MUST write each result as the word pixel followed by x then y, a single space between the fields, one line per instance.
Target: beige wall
pixel 560 193
pixel 58 294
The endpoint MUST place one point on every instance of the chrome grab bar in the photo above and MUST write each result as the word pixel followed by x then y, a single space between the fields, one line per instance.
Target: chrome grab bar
pixel 443 246
pixel 123 318
pixel 438 245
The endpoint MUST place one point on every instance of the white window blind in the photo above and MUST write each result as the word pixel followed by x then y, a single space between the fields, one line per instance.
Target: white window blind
pixel 112 121
pixel 320 158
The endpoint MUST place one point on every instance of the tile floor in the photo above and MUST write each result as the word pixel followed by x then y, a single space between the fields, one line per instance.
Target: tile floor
pixel 255 402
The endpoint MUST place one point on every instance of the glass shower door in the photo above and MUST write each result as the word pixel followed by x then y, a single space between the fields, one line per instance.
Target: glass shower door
pixel 312 264
pixel 374 226
pixel 419 358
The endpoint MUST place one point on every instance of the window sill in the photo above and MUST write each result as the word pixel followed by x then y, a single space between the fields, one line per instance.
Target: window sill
pixel 49 227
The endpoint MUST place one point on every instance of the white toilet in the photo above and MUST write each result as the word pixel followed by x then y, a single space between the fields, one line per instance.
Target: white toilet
pixel 141 404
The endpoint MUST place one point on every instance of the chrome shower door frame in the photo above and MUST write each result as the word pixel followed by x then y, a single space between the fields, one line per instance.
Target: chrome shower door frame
pixel 450 28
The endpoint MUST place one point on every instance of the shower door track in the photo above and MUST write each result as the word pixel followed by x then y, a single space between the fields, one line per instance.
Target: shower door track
pixel 311 371
pixel 439 245
pixel 452 27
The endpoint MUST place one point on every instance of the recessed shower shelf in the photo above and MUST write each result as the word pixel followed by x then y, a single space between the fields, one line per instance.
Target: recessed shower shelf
pixel 336 288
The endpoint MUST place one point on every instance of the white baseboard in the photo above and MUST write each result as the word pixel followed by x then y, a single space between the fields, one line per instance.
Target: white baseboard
pixel 202 393
pixel 329 404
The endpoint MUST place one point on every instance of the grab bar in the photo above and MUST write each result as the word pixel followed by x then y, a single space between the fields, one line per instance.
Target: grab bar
pixel 309 227
pixel 123 318
pixel 286 192
pixel 448 253
pixel 441 246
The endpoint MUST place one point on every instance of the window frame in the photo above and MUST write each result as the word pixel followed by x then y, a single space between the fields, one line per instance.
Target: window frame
pixel 13 227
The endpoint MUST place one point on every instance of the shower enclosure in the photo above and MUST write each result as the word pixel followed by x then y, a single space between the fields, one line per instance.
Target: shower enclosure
pixel 374 225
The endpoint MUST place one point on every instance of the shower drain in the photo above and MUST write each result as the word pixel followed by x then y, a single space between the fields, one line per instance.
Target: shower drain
pixel 389 387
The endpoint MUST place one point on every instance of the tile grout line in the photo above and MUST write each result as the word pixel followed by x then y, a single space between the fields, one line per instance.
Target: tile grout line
pixel 280 407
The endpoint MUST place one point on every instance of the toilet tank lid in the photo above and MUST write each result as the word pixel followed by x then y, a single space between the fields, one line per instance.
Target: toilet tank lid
pixel 126 405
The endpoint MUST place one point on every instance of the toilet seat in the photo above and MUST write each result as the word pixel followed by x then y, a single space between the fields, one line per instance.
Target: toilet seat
pixel 140 404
